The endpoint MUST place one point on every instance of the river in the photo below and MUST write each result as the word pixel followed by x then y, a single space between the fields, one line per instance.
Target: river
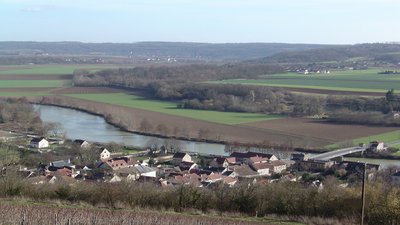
pixel 81 125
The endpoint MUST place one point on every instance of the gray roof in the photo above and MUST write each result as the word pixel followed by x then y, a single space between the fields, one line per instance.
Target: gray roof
pixel 144 169
pixel 62 163
pixel 244 171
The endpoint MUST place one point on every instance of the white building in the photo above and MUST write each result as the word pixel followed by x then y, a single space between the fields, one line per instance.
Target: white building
pixel 39 143
pixel 105 154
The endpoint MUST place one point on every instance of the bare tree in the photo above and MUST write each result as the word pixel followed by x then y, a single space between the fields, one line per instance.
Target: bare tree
pixel 203 133
pixel 145 126
pixel 162 129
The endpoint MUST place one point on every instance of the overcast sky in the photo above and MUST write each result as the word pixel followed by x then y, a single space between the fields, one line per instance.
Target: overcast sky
pixel 216 21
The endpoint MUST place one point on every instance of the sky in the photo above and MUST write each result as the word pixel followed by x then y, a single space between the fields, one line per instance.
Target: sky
pixel 211 21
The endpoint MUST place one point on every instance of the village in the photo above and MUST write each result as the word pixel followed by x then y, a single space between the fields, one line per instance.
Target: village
pixel 166 169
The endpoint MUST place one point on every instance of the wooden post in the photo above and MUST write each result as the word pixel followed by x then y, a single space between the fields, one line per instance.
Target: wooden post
pixel 23 219
pixel 363 193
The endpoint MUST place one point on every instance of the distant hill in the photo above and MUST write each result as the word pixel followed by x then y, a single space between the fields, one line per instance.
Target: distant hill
pixel 179 50
pixel 370 52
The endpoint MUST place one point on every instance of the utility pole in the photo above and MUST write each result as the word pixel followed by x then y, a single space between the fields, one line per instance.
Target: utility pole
pixel 363 193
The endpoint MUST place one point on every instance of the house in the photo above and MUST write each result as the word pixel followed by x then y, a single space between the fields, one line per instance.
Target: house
pixel 261 168
pixel 230 181
pixel 64 172
pixel 62 164
pixel 186 179
pixel 244 156
pixel 81 143
pixel 112 164
pixel 230 161
pixel 214 177
pixel 145 171
pixel 315 165
pixel 256 160
pixel 39 143
pixel 134 173
pixel 221 162
pixel 396 178
pixel 181 157
pixel 299 157
pixel 105 154
pixel 377 146
pixel 59 178
pixel 276 166
pixel 217 162
pixel 194 168
pixel 243 171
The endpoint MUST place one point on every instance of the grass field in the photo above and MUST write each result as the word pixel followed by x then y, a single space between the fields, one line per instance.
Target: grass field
pixel 33 83
pixel 23 94
pixel 171 109
pixel 385 137
pixel 48 69
pixel 349 80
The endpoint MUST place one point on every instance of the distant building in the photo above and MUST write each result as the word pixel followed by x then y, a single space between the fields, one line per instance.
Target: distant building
pixel 39 143
pixel 377 146
pixel 82 143
pixel 105 154
pixel 261 168
pixel 181 157
pixel 277 166
pixel 315 165
pixel 62 164
pixel 245 156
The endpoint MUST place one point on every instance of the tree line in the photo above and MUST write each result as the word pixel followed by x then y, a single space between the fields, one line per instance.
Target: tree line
pixel 284 198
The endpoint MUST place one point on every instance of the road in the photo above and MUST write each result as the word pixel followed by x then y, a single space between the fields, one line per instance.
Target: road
pixel 340 152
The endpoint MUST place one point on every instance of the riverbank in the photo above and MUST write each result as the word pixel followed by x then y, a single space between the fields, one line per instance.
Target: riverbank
pixel 126 121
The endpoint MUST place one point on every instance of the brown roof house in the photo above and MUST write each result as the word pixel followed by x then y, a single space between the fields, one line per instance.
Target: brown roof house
pixel 243 171
pixel 133 173
pixel 276 166
pixel 113 164
pixel 262 168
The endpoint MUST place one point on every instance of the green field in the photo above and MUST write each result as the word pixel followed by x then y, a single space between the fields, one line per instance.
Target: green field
pixel 385 137
pixel 32 83
pixel 23 94
pixel 171 109
pixel 349 80
pixel 49 70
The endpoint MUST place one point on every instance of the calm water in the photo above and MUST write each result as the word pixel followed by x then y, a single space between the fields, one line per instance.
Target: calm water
pixel 81 125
